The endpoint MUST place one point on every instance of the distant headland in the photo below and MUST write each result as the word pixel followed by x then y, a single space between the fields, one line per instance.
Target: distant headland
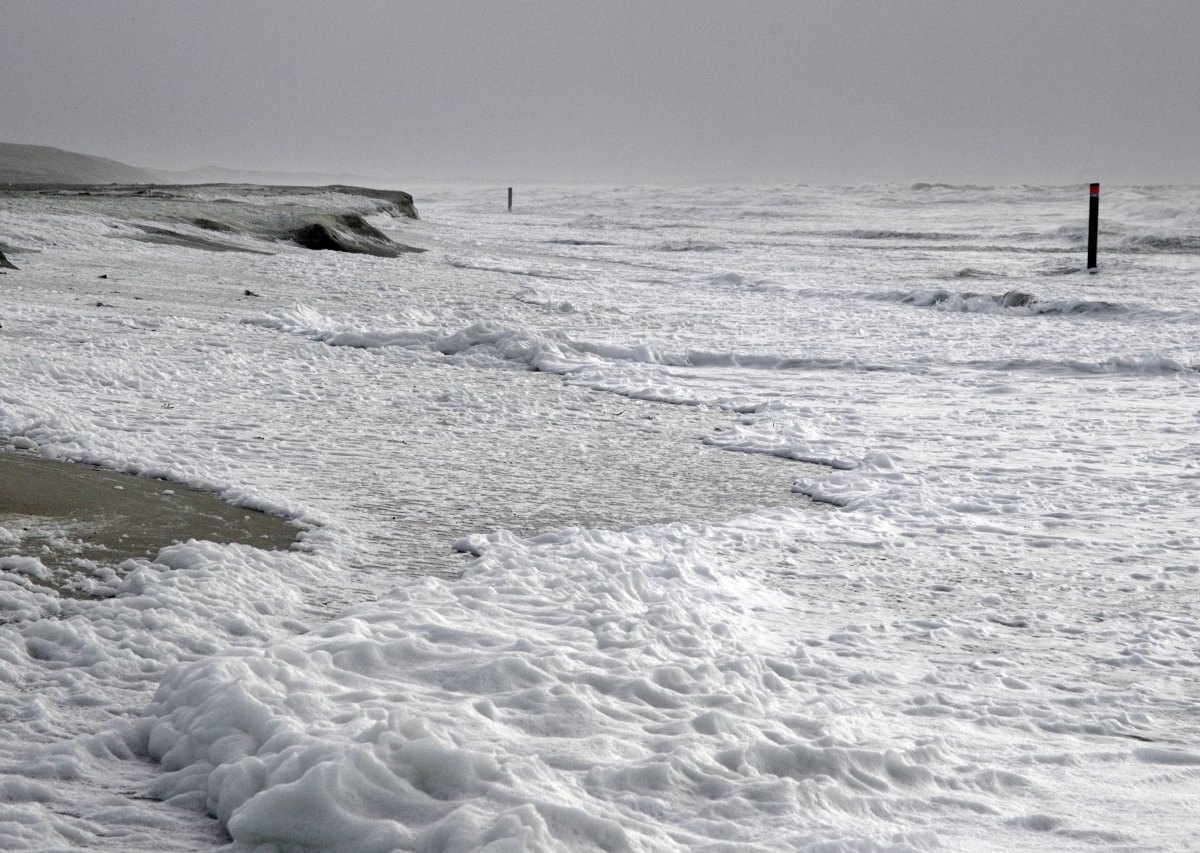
pixel 42 164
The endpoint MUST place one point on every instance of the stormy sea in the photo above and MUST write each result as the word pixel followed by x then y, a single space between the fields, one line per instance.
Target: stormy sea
pixel 740 518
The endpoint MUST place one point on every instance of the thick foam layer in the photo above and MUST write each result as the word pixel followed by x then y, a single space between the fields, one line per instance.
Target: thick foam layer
pixel 978 633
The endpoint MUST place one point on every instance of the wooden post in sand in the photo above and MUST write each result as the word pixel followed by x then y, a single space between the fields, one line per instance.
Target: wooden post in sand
pixel 1093 227
pixel 510 198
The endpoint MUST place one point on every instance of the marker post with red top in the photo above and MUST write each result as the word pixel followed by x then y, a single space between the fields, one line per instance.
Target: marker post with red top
pixel 1093 227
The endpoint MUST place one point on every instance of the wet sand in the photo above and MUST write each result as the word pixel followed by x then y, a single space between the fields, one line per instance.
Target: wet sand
pixel 60 512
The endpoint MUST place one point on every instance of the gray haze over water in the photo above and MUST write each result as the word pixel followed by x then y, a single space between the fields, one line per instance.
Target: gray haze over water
pixel 999 92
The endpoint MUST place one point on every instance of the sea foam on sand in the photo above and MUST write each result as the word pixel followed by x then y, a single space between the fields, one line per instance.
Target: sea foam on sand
pixel 965 619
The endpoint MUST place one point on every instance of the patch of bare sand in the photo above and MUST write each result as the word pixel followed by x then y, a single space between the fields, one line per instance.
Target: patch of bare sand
pixel 71 516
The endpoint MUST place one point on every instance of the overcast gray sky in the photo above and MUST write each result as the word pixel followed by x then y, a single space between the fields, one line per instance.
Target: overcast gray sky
pixel 994 91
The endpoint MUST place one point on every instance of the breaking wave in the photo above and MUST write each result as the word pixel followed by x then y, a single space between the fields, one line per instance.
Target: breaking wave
pixel 500 266
pixel 1150 364
pixel 883 234
pixel 547 351
pixel 737 281
pixel 971 272
pixel 688 246
pixel 1010 300
pixel 644 371
pixel 1122 239
pixel 1166 243
pixel 569 241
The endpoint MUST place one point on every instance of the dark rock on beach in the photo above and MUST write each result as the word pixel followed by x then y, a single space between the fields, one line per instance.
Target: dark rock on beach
pixel 6 263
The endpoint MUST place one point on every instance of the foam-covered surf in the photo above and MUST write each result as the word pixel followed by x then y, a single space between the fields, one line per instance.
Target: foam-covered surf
pixel 1029 303
pixel 755 518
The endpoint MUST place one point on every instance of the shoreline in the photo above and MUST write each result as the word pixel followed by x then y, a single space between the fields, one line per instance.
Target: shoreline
pixel 70 514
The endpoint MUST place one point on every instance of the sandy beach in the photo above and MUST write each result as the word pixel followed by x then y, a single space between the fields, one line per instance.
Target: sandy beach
pixel 61 512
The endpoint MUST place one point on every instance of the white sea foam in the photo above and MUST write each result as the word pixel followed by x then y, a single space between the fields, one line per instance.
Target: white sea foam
pixel 980 633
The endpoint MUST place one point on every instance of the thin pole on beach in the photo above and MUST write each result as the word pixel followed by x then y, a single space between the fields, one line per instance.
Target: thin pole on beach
pixel 1093 226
